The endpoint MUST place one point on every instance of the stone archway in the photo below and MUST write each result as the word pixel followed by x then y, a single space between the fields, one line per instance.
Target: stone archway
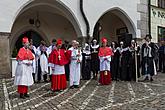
pixel 56 21
pixel 112 23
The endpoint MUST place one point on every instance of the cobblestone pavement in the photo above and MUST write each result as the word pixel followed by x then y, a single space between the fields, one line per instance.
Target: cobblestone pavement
pixel 90 96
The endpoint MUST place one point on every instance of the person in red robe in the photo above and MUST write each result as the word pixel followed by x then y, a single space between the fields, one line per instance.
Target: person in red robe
pixel 24 69
pixel 57 60
pixel 105 54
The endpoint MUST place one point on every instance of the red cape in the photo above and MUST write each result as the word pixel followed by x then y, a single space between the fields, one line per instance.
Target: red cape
pixel 105 51
pixel 65 57
pixel 25 54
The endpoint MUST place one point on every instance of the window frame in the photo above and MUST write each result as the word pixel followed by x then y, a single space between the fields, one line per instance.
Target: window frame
pixel 160 36
pixel 161 3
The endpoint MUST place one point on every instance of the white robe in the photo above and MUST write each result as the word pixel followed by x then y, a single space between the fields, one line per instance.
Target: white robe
pixel 23 74
pixel 50 49
pixel 75 67
pixel 105 64
pixel 34 64
pixel 57 69
pixel 43 62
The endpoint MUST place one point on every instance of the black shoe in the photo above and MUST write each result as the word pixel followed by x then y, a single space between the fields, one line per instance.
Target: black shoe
pixel 151 79
pixel 22 96
pixel 38 81
pixel 26 95
pixel 71 87
pixel 146 78
pixel 46 81
pixel 159 71
pixel 76 86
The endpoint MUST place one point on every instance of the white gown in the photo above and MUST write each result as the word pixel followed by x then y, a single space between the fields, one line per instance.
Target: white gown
pixel 23 74
pixel 105 64
pixel 75 67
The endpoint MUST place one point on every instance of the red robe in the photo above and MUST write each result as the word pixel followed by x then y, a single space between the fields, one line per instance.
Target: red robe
pixel 24 54
pixel 54 57
pixel 59 80
pixel 105 76
pixel 105 51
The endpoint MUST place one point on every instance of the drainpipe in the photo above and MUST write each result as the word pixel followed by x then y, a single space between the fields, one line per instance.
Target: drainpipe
pixel 85 19
pixel 149 16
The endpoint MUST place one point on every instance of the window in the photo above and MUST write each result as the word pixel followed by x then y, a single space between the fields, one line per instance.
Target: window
pixel 161 3
pixel 161 33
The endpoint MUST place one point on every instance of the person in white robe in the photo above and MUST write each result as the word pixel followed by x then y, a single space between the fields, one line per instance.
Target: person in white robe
pixel 24 69
pixel 49 51
pixel 75 67
pixel 34 63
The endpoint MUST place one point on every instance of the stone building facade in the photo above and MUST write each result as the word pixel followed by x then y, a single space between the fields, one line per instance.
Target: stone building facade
pixel 157 19
pixel 48 19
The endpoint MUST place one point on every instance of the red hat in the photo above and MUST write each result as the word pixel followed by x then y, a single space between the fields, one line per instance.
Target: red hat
pixel 25 40
pixel 104 40
pixel 59 42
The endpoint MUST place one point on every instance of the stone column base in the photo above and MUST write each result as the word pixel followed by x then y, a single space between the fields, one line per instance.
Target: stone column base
pixel 5 70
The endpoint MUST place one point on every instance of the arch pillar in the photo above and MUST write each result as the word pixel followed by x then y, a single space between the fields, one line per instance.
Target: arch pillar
pixel 4 58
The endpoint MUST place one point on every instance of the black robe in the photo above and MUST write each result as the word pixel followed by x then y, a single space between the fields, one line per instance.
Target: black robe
pixel 162 58
pixel 133 64
pixel 115 64
pixel 67 67
pixel 86 66
pixel 148 60
pixel 126 72
pixel 95 62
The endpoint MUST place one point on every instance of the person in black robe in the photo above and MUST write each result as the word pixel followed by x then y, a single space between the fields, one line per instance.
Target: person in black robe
pixel 135 52
pixel 115 61
pixel 162 57
pixel 86 63
pixel 126 74
pixel 120 65
pixel 33 50
pixel 95 62
pixel 42 48
pixel 148 53
pixel 66 46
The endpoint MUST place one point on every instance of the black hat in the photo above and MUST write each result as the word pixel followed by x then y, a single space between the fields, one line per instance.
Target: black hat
pixel 66 42
pixel 148 35
pixel 53 40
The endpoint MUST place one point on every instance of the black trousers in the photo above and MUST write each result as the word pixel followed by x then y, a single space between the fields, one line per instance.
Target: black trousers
pixel 162 62
pixel 40 73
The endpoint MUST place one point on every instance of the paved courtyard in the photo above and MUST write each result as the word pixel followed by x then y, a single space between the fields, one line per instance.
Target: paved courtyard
pixel 90 96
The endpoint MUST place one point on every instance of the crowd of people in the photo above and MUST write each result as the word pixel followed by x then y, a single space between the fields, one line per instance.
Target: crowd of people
pixel 62 62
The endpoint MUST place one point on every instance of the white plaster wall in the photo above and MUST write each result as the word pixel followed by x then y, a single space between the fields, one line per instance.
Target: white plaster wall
pixel 9 9
pixel 94 10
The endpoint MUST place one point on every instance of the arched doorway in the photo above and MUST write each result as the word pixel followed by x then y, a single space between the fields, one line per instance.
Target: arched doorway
pixel 55 21
pixel 114 24
pixel 37 38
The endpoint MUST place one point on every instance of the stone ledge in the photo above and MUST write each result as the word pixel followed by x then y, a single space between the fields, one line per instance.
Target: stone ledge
pixel 5 34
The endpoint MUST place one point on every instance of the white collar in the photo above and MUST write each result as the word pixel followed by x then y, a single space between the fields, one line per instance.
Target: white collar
pixel 95 46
